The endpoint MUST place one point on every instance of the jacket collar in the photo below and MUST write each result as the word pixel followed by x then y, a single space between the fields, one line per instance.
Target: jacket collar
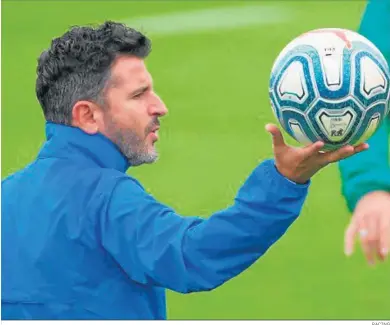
pixel 70 142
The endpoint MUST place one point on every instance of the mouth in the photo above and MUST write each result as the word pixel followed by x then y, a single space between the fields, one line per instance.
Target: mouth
pixel 152 130
pixel 155 129
pixel 154 133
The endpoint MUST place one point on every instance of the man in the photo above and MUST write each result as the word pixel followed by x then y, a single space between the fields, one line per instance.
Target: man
pixel 83 240
pixel 366 177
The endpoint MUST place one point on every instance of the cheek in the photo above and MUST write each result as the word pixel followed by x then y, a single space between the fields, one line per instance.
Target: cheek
pixel 128 114
pixel 118 108
pixel 129 117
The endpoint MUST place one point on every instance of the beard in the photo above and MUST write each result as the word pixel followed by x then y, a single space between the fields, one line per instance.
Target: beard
pixel 132 146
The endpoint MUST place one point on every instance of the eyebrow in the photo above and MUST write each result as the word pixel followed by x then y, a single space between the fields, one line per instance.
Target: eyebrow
pixel 139 90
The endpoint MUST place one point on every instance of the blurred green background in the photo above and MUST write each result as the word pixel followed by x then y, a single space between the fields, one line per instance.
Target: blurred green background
pixel 211 62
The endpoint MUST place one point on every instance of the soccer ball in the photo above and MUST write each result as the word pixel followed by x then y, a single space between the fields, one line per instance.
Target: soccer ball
pixel 330 85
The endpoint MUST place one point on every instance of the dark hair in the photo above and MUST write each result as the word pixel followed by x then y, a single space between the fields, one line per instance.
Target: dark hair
pixel 77 66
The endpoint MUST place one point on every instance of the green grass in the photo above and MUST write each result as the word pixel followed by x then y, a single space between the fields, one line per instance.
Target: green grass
pixel 215 85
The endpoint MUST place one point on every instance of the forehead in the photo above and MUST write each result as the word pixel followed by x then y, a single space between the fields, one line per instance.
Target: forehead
pixel 129 71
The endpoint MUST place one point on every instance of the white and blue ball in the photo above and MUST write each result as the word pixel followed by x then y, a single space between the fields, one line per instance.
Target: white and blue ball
pixel 330 85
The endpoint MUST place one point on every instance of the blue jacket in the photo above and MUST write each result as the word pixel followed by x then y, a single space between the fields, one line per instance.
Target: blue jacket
pixel 370 170
pixel 83 240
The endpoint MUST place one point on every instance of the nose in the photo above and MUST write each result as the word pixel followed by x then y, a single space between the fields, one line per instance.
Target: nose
pixel 158 107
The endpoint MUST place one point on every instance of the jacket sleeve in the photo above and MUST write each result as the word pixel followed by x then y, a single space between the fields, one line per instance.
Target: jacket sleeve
pixel 156 246
pixel 370 170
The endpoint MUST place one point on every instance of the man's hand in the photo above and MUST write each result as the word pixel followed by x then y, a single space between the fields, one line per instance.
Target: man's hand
pixel 371 222
pixel 300 164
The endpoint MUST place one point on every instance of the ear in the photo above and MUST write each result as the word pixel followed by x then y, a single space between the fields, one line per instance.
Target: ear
pixel 85 115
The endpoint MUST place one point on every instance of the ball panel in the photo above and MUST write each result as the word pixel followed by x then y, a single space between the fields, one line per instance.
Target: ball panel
pixel 332 66
pixel 344 74
pixel 296 124
pixel 335 122
pixel 372 79
pixel 295 91
pixel 298 132
pixel 292 85
pixel 373 82
pixel 370 130
pixel 368 122
pixel 336 126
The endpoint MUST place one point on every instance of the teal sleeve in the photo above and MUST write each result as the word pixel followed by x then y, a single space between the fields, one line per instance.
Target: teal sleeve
pixel 370 171
pixel 375 25
pixel 367 171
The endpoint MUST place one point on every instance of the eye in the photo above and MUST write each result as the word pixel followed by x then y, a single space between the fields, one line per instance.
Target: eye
pixel 136 96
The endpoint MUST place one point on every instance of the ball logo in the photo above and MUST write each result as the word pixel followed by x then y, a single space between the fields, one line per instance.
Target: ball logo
pixel 337 133
pixel 335 127
pixel 339 33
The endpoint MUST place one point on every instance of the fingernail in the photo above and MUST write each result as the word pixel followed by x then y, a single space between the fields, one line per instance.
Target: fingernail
pixel 348 252
pixel 384 251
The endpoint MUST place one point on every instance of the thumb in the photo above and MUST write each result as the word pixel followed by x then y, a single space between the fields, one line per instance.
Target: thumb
pixel 277 136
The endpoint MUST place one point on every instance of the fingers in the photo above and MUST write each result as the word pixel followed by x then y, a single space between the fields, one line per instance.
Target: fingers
pixel 313 148
pixel 371 220
pixel 374 235
pixel 277 137
pixel 361 147
pixel 344 152
pixel 349 238
pixel 368 238
pixel 384 238
pixel 339 154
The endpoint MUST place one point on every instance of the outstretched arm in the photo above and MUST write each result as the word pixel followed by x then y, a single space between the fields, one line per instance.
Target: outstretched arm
pixel 156 246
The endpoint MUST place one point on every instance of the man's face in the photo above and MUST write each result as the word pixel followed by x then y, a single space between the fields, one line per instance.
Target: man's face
pixel 131 116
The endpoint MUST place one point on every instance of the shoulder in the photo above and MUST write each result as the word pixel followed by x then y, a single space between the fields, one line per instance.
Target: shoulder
pixel 111 179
